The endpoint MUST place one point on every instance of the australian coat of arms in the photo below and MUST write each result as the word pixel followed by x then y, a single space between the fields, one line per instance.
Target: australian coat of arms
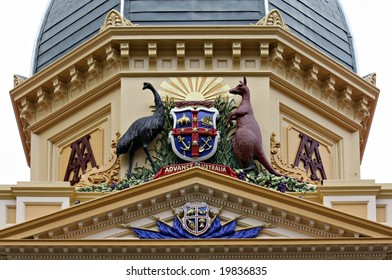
pixel 194 136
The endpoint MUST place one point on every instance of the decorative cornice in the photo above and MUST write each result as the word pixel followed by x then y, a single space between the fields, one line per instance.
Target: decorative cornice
pixel 113 56
pixel 277 248
pixel 385 192
pixel 349 188
pixel 328 87
pixel 6 193
pixel 180 52
pixel 41 189
pixel 152 55
pixel 236 54
pixel 293 67
pixel 44 98
pixel 311 76
pixel 94 67
pixel 208 54
pixel 18 79
pixel 60 90
pixel 77 78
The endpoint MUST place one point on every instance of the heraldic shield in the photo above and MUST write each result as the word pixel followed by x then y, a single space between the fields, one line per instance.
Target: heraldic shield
pixel 196 218
pixel 194 136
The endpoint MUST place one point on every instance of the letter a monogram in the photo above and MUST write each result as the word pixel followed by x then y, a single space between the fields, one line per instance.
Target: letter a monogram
pixel 308 152
pixel 81 155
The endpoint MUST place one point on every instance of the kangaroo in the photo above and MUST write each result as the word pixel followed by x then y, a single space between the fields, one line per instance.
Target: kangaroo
pixel 247 141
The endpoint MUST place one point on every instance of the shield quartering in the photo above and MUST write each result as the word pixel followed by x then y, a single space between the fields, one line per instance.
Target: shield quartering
pixel 194 136
pixel 196 218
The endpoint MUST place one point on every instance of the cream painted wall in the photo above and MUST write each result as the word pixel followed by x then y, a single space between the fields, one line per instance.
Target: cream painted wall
pixel 370 201
pixel 388 209
pixel 4 212
pixel 22 201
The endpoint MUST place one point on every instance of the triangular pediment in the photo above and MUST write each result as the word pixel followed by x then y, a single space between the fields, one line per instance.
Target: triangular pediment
pixel 300 228
pixel 289 217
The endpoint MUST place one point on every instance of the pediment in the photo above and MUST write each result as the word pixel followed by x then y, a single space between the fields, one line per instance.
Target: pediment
pixel 289 217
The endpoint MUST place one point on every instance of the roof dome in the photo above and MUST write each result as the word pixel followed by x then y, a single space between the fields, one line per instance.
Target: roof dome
pixel 67 24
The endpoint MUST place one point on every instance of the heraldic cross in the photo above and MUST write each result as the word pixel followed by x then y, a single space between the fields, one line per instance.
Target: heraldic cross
pixel 201 135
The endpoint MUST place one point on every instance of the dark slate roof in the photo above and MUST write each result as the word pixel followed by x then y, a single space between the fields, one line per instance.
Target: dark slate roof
pixel 322 24
pixel 67 24
pixel 194 12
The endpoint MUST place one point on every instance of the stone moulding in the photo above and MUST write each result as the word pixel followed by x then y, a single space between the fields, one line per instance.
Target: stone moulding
pixel 108 173
pixel 284 168
pixel 197 249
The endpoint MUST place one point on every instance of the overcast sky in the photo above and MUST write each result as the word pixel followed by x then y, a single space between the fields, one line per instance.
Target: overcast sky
pixel 370 26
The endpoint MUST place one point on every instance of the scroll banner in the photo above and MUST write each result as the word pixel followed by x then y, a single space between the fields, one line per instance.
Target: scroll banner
pixel 171 169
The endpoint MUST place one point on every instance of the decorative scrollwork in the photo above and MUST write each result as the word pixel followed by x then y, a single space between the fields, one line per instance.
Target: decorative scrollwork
pixel 108 173
pixel 284 168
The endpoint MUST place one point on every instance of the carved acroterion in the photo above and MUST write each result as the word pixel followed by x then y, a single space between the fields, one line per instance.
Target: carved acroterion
pixel 18 79
pixel 115 19
pixel 371 78
pixel 273 18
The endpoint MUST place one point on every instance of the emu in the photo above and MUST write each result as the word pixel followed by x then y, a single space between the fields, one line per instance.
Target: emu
pixel 143 131
pixel 247 141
